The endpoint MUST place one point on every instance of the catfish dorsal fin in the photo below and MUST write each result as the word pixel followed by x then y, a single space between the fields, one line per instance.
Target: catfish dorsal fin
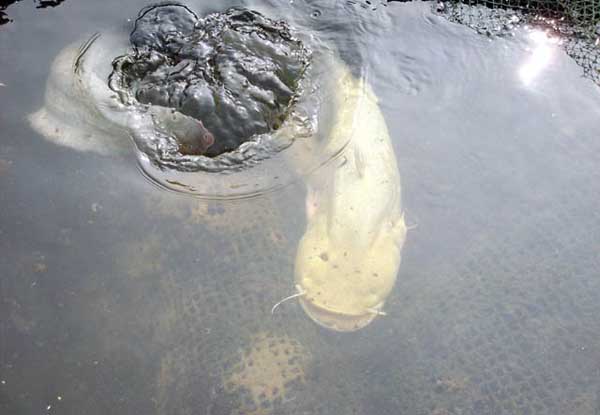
pixel 359 162
pixel 353 161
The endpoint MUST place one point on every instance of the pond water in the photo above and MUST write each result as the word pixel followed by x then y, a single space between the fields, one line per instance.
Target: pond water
pixel 118 296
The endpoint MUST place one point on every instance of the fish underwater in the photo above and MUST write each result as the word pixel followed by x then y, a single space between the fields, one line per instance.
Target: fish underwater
pixel 348 258
pixel 495 307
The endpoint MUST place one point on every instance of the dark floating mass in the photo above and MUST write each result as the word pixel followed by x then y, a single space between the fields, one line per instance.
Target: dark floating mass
pixel 235 72
pixel 39 4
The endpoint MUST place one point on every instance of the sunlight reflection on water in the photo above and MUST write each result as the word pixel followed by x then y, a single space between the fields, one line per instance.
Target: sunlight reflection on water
pixel 544 48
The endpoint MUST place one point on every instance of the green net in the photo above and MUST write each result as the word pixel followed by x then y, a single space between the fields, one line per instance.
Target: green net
pixel 583 14
pixel 576 21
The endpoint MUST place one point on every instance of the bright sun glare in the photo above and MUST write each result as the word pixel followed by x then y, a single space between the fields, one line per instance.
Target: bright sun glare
pixel 540 58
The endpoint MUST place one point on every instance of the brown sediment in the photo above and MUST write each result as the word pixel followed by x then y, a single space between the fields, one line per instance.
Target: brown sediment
pixel 267 371
pixel 4 166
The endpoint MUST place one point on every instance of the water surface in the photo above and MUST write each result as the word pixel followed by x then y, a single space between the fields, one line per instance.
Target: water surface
pixel 119 297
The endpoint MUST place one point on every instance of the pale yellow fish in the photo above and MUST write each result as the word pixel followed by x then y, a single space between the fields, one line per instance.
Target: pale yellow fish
pixel 348 259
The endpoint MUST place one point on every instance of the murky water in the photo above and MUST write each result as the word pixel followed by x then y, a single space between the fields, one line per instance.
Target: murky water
pixel 119 297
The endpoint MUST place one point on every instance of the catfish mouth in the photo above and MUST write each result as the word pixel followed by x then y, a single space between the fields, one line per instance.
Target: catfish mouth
pixel 338 321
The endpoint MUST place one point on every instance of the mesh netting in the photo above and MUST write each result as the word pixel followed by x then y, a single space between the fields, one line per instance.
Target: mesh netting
pixel 584 14
pixel 575 21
